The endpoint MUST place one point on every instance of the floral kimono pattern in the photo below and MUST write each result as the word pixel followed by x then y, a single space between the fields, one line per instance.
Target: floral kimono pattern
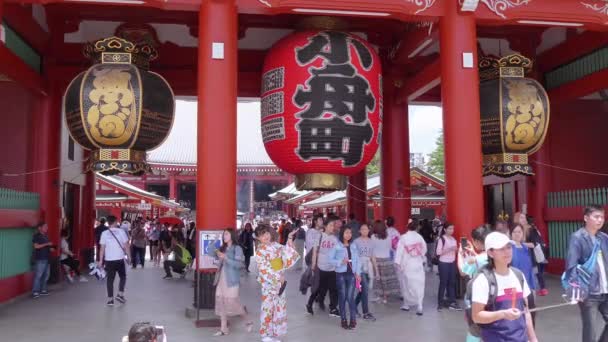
pixel 272 260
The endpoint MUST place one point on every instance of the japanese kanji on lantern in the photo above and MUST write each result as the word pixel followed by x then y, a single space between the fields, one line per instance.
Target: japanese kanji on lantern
pixel 117 108
pixel 321 107
pixel 514 115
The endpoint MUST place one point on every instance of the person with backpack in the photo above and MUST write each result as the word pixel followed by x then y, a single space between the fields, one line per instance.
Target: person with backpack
pixel 472 257
pixel 227 281
pixel 446 252
pixel 499 296
pixel 246 242
pixel 522 260
pixel 586 266
pixel 182 257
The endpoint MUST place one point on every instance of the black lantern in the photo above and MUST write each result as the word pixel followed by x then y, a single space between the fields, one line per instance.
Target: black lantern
pixel 117 108
pixel 514 115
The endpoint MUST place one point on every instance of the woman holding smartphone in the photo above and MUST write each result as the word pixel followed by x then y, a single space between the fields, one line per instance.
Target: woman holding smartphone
pixel 348 272
pixel 446 251
pixel 227 281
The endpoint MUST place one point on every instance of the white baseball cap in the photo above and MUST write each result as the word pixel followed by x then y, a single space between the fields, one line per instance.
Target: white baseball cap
pixel 496 240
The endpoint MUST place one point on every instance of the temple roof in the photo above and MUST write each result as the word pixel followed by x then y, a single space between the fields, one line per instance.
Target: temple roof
pixel 179 148
pixel 124 190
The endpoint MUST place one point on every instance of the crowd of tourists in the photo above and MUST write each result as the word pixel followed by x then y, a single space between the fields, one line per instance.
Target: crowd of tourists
pixel 354 263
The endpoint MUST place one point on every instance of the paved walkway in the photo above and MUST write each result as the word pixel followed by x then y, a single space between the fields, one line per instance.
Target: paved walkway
pixel 77 312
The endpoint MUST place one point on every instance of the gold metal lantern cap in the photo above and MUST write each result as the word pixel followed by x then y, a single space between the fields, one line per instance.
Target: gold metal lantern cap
pixel 117 108
pixel 514 115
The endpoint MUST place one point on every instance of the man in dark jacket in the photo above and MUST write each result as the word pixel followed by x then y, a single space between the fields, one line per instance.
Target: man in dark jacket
pixel 581 245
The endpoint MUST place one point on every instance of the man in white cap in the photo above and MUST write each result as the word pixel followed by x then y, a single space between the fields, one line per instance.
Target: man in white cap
pixel 499 295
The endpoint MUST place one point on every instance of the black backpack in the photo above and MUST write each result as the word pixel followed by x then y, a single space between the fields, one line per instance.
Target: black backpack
pixel 474 328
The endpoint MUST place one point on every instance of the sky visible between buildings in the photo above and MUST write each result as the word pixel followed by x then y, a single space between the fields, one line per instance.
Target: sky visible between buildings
pixel 425 123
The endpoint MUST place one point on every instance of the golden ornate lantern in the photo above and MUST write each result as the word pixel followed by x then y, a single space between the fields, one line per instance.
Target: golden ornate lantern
pixel 117 108
pixel 514 115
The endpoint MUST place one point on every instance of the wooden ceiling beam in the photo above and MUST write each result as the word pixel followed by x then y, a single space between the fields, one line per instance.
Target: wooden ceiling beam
pixel 414 43
pixel 426 79
pixel 573 48
pixel 20 19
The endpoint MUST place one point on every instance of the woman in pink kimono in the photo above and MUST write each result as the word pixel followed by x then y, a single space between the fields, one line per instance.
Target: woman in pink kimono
pixel 273 259
pixel 410 256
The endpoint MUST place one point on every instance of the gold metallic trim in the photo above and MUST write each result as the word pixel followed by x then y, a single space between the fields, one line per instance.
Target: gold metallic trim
pixel 82 117
pixel 115 58
pixel 512 72
pixel 319 22
pixel 500 117
pixel 174 105
pixel 140 110
pixel 505 158
pixel 65 117
pixel 540 141
pixel 321 181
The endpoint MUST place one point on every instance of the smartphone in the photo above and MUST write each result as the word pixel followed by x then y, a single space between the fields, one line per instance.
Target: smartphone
pixel 464 243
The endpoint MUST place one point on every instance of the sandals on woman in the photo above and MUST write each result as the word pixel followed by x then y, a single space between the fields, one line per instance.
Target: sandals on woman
pixel 249 326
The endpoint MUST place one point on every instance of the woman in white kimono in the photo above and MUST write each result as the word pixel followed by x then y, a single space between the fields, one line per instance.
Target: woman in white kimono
pixel 410 257
pixel 273 259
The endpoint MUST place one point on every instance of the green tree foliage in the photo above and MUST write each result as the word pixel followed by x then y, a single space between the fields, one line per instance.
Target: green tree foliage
pixel 436 163
pixel 374 165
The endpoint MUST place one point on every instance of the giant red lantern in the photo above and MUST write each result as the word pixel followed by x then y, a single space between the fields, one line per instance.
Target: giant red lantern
pixel 321 107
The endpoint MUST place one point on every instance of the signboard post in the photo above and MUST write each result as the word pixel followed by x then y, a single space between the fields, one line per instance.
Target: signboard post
pixel 206 266
pixel 207 238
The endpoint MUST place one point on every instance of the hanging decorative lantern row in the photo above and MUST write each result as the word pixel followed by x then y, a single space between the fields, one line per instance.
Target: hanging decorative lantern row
pixel 117 108
pixel 514 115
pixel 321 107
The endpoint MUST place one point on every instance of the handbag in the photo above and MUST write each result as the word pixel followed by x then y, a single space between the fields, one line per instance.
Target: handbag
pixel 435 257
pixel 216 279
pixel 121 247
pixel 308 257
pixel 539 254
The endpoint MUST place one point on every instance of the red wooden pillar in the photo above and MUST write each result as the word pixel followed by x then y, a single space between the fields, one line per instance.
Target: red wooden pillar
pixel 461 125
pixel 395 166
pixel 88 217
pixel 172 186
pixel 46 142
pixel 216 125
pixel 538 186
pixel 356 194
pixel 216 203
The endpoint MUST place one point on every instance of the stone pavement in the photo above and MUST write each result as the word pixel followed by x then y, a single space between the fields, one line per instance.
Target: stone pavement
pixel 77 312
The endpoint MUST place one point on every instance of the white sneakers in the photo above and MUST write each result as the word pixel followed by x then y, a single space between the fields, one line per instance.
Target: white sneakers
pixel 270 339
pixel 83 279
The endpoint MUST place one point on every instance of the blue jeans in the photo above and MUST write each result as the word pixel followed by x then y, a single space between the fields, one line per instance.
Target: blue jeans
pixel 362 297
pixel 346 293
pixel 591 308
pixel 541 277
pixel 447 282
pixel 41 275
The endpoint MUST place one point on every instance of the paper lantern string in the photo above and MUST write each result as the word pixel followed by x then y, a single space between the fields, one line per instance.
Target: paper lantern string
pixel 43 171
